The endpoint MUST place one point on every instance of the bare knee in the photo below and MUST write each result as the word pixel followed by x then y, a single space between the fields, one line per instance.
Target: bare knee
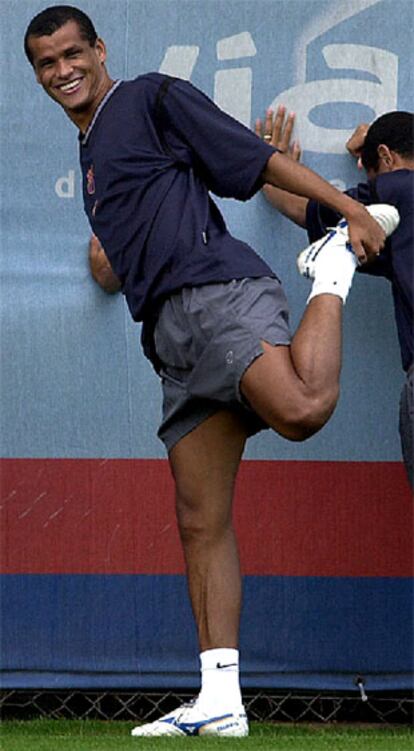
pixel 295 406
pixel 306 416
pixel 204 465
pixel 200 521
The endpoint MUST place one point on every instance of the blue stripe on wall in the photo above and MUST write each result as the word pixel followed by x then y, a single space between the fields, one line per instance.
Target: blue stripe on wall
pixel 124 631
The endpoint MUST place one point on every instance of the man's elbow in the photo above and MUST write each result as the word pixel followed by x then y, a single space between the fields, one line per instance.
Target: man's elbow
pixel 101 269
pixel 107 280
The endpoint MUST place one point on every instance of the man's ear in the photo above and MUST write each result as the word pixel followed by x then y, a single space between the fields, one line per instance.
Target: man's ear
pixel 101 50
pixel 386 156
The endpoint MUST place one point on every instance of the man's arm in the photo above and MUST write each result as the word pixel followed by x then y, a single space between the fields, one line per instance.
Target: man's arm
pixel 101 268
pixel 286 174
pixel 356 142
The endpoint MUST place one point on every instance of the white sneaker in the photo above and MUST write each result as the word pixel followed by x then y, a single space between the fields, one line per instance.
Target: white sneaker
pixel 387 217
pixel 190 720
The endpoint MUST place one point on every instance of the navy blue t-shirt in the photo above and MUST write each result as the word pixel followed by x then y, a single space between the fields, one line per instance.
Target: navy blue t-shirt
pixel 395 261
pixel 154 150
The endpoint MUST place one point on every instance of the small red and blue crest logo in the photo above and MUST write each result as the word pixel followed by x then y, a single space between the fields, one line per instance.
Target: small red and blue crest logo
pixel 90 180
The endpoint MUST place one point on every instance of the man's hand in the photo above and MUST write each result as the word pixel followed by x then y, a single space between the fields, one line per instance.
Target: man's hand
pixel 356 142
pixel 365 234
pixel 278 132
pixel 101 268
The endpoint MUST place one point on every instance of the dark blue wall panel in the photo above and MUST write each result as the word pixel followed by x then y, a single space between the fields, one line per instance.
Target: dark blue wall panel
pixel 136 632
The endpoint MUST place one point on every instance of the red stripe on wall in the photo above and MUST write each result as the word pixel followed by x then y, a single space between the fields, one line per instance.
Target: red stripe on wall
pixel 292 518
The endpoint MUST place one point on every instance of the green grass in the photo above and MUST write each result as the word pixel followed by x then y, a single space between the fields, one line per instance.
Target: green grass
pixel 88 735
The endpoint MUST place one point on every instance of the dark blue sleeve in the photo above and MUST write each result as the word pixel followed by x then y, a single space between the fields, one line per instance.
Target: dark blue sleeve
pixel 227 156
pixel 397 189
pixel 320 218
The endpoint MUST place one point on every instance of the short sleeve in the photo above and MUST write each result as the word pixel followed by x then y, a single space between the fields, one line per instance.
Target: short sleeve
pixel 228 156
pixel 320 218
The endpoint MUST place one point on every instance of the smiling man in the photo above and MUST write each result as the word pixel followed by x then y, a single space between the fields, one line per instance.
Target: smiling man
pixel 69 64
pixel 215 318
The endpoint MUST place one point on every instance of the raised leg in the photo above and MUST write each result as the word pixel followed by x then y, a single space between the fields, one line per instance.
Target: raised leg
pixel 295 389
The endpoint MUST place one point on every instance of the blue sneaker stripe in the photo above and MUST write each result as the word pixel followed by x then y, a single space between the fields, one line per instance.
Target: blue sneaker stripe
pixel 328 237
pixel 193 728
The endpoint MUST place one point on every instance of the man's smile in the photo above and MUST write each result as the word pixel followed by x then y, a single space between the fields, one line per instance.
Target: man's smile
pixel 70 87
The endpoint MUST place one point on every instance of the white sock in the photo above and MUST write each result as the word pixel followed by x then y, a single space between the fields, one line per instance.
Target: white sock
pixel 334 271
pixel 220 683
pixel 335 265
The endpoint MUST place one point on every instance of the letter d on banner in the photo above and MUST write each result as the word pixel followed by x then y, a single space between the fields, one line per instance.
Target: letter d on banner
pixel 65 186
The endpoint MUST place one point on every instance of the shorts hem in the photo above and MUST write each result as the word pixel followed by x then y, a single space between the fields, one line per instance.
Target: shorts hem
pixel 170 436
pixel 256 352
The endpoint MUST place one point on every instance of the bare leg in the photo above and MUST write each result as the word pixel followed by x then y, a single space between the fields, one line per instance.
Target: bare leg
pixel 295 389
pixel 204 464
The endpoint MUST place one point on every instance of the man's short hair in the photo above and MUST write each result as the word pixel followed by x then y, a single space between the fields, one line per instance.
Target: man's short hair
pixel 51 19
pixel 395 130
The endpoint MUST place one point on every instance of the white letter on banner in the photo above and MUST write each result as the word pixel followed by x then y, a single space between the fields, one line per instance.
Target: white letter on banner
pixel 238 45
pixel 65 186
pixel 380 97
pixel 233 86
pixel 179 61
pixel 233 93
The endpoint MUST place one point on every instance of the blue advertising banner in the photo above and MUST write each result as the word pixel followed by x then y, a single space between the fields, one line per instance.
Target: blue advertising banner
pixel 75 386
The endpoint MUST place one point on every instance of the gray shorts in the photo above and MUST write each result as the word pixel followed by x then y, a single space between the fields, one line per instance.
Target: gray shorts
pixel 205 338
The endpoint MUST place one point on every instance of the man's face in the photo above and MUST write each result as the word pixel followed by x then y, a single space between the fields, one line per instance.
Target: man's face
pixel 70 70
